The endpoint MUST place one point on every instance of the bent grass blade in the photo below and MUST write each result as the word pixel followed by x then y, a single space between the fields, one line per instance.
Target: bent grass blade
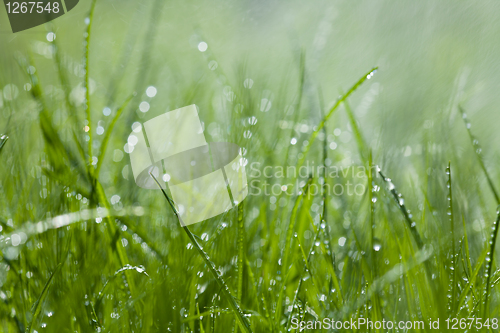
pixel 339 101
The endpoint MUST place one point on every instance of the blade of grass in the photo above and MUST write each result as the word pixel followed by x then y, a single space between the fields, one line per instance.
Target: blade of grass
pixel 118 245
pixel 149 37
pixel 360 141
pixel 63 78
pixel 59 154
pixel 255 293
pixel 412 234
pixel 372 198
pixel 129 43
pixel 291 225
pixel 472 279
pixel 79 146
pixel 478 150
pixel 307 269
pixel 87 78
pixel 37 306
pixel 394 274
pixel 325 118
pixel 288 246
pixel 240 317
pixel 494 233
pixel 112 228
pixel 302 69
pixel 138 269
pixel 57 222
pixel 202 329
pixel 466 246
pixel 105 140
pixel 326 244
pixel 452 227
pixel 339 101
pixel 3 141
pixel 489 261
pixel 325 226
pixel 243 322
pixel 400 201
pixel 241 256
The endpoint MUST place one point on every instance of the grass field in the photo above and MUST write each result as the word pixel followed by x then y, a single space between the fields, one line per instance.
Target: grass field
pixel 369 133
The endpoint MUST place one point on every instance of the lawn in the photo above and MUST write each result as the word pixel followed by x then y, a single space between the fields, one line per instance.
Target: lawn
pixel 368 135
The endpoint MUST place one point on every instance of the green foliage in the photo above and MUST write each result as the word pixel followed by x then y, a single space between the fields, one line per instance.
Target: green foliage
pixel 84 249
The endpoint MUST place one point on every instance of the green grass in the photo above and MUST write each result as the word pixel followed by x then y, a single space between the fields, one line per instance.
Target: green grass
pixel 84 249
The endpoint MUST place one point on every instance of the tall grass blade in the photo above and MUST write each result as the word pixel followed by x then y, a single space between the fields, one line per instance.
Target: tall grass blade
pixel 59 154
pixel 240 317
pixel 299 101
pixel 87 78
pixel 307 269
pixel 325 226
pixel 288 246
pixel 105 140
pixel 468 269
pixel 472 279
pixel 494 229
pixel 454 254
pixel 241 254
pixel 291 225
pixel 335 106
pixel 478 151
pixel 489 261
pixel 118 245
pixel 402 207
pixel 372 197
pixel 65 84
pixel 243 322
pixel 360 141
pixel 149 37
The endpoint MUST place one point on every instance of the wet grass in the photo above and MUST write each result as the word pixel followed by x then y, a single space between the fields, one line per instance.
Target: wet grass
pixel 83 249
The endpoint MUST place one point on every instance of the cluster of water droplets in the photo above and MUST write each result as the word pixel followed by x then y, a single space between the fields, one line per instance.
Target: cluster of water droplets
pixel 399 200
pixel 377 246
pixel 452 255
pixel 369 76
pixel 491 244
pixel 475 142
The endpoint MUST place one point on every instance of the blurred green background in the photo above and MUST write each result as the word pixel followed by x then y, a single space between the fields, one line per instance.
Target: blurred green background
pixel 431 56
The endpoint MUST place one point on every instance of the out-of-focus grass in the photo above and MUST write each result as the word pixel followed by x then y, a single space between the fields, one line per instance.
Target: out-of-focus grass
pixel 84 249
